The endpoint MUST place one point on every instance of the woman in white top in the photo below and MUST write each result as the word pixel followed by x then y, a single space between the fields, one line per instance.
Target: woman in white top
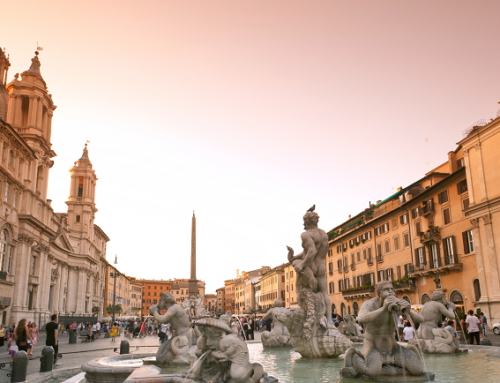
pixel 408 332
pixel 234 325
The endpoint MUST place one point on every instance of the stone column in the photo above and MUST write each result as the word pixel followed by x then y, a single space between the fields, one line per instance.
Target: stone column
pixel 11 109
pixel 18 113
pixel 44 125
pixel 81 293
pixel 39 114
pixel 57 290
pixel 469 178
pixel 21 267
pixel 72 298
pixel 493 271
pixel 42 280
pixel 49 126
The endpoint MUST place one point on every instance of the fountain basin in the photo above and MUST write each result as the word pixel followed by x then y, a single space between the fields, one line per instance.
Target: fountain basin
pixel 114 369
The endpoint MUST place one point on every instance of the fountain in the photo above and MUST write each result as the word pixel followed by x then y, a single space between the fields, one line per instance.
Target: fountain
pixel 382 359
pixel 309 338
pixel 279 335
pixel 350 328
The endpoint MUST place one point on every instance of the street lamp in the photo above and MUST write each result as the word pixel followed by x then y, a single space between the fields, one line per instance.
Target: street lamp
pixel 114 275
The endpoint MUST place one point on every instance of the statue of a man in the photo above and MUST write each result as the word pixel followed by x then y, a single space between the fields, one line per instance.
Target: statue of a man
pixel 179 321
pixel 310 264
pixel 432 313
pixel 279 335
pixel 381 354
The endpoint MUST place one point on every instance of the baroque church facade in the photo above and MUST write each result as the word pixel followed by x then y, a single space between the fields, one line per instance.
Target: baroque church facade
pixel 49 262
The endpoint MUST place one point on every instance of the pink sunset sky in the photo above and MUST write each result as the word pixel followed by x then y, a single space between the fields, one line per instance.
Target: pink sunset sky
pixel 250 112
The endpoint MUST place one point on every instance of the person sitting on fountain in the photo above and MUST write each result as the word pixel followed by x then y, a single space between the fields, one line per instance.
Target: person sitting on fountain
pixel 381 354
pixel 179 321
pixel 310 264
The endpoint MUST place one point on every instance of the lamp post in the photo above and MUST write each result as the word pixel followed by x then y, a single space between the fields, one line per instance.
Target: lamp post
pixel 114 275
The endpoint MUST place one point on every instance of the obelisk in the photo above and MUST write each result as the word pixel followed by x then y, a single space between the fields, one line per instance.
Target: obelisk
pixel 193 283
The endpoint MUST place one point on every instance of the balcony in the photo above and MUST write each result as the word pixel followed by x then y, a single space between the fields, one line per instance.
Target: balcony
pixel 370 261
pixel 358 292
pixel 346 269
pixel 353 266
pixel 432 235
pixel 404 285
pixel 428 209
pixel 380 259
pixel 440 265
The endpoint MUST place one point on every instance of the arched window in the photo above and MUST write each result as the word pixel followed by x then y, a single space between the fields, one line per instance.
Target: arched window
pixel 334 309
pixel 342 310
pixel 355 308
pixel 477 290
pixel 407 299
pixel 456 297
pixel 425 299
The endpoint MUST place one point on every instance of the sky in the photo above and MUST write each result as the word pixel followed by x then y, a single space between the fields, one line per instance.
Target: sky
pixel 250 112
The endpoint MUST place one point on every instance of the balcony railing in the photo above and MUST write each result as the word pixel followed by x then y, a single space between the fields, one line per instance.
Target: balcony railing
pixel 437 265
pixel 358 292
pixel 428 208
pixel 405 285
pixel 353 266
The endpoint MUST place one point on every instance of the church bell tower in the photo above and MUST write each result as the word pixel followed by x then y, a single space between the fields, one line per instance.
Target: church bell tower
pixel 81 201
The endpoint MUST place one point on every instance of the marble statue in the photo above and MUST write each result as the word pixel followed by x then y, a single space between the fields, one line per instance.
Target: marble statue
pixel 308 337
pixel 279 335
pixel 430 338
pixel 350 328
pixel 223 355
pixel 194 306
pixel 381 355
pixel 177 350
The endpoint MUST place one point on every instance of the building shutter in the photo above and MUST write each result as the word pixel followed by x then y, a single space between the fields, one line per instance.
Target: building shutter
pixel 466 243
pixel 446 213
pixel 438 252
pixel 417 258
pixel 440 198
pixel 401 219
pixel 454 249
pixel 424 255
pixel 445 251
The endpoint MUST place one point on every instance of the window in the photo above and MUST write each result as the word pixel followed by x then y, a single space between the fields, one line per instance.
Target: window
pixel 341 285
pixel 387 246
pixel 364 254
pixel 9 264
pixel 462 186
pixel 331 287
pixel 398 272
pixel 80 186
pixel 379 249
pixel 329 254
pixel 406 239
pixel 149 287
pixel 33 264
pixel 291 274
pixel 15 199
pixel 352 258
pixel 460 163
pixel 465 203
pixel 403 219
pixel 347 283
pixel 7 192
pixel 339 249
pixel 443 197
pixel 330 267
pixel 381 275
pixel 446 216
pixel 377 231
pixel 396 243
pixel 3 251
pixel 434 255
pixel 477 290
pixel 369 252
pixel 449 250
pixel 385 227
pixel 77 218
pixel 358 256
pixel 344 247
pixel 11 157
pixel 149 293
pixel 351 242
pixel 468 240
pixel 389 274
pixel 408 268
pixel 414 213
pixel 418 228
pixel 368 235
pixel 394 224
pixel 155 287
pixel 420 256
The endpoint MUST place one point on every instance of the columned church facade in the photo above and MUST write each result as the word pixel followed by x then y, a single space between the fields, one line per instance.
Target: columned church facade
pixel 49 262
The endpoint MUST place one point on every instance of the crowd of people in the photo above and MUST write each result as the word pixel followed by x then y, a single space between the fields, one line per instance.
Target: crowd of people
pixel 23 336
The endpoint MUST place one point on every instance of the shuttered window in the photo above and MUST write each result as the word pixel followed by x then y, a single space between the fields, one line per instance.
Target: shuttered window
pixel 403 219
pixel 443 197
pixel 420 256
pixel 406 239
pixel 465 203
pixel 462 186
pixel 468 240
pixel 339 249
pixel 396 243
pixel 418 228
pixel 364 254
pixel 446 216
pixel 387 247
pixel 449 250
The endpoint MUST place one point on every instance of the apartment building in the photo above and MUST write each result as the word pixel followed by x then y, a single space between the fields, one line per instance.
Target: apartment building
pixel 221 299
pixel 230 293
pixel 419 238
pixel 290 300
pixel 272 286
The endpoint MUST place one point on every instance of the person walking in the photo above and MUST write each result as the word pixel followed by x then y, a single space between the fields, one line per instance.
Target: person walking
pixel 114 332
pixel 484 324
pixel 33 331
pixel 22 336
pixel 408 332
pixel 473 326
pixel 52 334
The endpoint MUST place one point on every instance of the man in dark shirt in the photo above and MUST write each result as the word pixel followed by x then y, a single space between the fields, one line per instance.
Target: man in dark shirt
pixel 51 329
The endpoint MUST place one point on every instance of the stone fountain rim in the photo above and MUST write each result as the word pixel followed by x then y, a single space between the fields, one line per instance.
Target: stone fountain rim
pixel 94 366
